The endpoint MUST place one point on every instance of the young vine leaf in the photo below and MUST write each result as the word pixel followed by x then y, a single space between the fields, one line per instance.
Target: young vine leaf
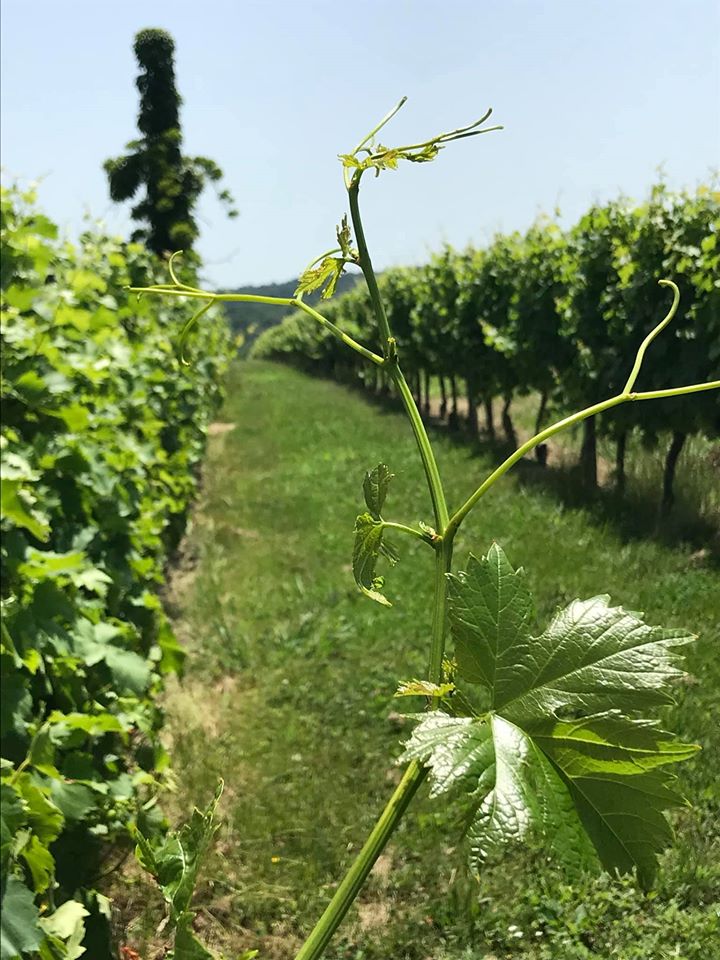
pixel 561 752
pixel 368 545
pixel 324 274
pixel 327 269
pixel 344 238
pixel 369 541
pixel 174 863
pixel 378 157
pixel 424 688
pixel 375 488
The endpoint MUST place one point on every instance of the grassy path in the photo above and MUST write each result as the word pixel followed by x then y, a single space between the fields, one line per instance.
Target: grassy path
pixel 289 690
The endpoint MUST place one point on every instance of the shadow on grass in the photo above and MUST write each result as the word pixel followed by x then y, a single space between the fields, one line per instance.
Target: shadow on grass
pixel 634 514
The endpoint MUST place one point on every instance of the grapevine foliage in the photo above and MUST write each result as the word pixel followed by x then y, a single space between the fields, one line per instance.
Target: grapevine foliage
pixel 102 433
pixel 562 749
pixel 551 311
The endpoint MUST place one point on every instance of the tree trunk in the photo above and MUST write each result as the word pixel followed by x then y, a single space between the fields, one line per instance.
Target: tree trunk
pixel 416 389
pixel 541 450
pixel 620 448
pixel 426 384
pixel 674 451
pixel 489 421
pixel 541 412
pixel 588 455
pixel 472 417
pixel 507 423
pixel 453 420
pixel 443 399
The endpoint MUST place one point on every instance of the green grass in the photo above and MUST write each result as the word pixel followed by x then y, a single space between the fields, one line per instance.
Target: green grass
pixel 289 690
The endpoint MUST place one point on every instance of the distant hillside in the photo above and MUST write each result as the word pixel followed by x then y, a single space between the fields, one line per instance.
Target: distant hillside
pixel 250 319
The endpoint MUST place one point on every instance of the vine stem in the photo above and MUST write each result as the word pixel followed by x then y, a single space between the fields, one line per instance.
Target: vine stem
pixel 180 290
pixel 365 263
pixel 404 528
pixel 356 876
pixel 337 332
pixel 443 563
pixel 432 474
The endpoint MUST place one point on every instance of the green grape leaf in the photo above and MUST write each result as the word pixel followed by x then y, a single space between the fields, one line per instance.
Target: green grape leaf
pixel 173 654
pixel 324 274
pixel 491 609
pixel 561 752
pixel 94 642
pixel 368 545
pixel 41 564
pixel 16 506
pixel 92 579
pixel 175 862
pixel 74 800
pixel 130 671
pixel 20 932
pixel 75 416
pixel 42 815
pixel 12 817
pixel 41 863
pixel 513 787
pixel 95 724
pixel 68 923
pixel 375 488
pixel 369 540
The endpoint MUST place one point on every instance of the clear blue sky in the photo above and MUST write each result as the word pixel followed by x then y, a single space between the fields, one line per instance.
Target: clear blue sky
pixel 595 95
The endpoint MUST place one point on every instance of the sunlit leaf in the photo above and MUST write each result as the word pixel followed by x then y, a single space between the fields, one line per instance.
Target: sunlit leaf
pixel 561 752
pixel 368 543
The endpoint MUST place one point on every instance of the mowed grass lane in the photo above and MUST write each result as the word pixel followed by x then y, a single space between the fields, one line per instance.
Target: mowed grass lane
pixel 289 697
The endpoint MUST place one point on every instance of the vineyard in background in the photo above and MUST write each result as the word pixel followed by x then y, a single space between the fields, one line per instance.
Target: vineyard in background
pixel 102 435
pixel 552 313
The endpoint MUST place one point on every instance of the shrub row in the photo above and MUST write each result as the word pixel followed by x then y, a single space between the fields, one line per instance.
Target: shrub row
pixel 553 312
pixel 102 434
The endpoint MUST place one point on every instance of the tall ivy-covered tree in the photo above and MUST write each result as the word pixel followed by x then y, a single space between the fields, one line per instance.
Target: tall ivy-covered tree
pixel 172 182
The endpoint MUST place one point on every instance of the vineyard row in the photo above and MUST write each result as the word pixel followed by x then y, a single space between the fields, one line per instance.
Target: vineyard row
pixel 551 312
